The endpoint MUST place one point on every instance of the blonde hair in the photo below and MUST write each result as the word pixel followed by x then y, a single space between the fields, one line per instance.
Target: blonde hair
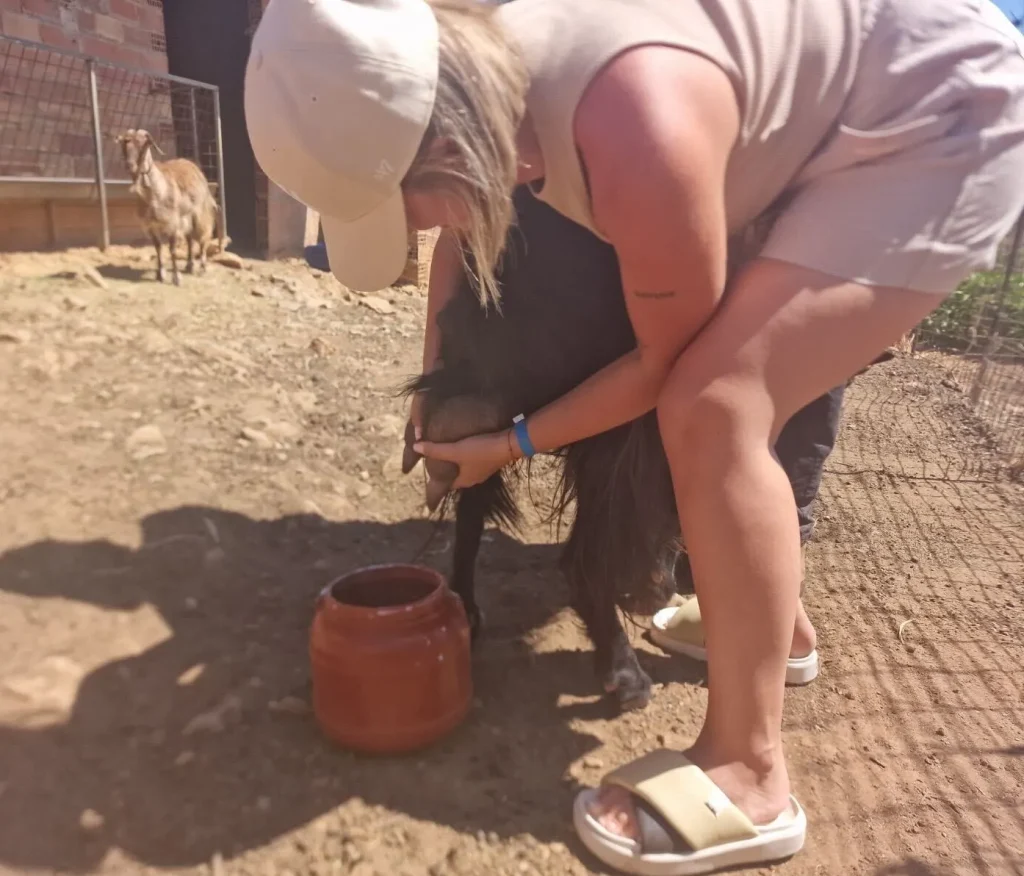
pixel 469 148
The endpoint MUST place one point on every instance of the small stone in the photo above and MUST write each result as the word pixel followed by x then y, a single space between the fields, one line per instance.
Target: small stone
pixel 364 475
pixel 321 347
pixel 191 675
pixel 377 305
pixel 14 336
pixel 389 424
pixel 260 439
pixel 305 400
pixel 90 820
pixel 155 341
pixel 308 506
pixel 363 490
pixel 941 731
pixel 185 758
pixel 215 720
pixel 229 260
pixel 593 763
pixel 289 705
pixel 144 442
pixel 93 276
pixel 256 292
pixel 284 430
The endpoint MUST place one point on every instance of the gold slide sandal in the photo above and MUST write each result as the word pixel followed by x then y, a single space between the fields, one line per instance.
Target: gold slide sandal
pixel 678 629
pixel 687 824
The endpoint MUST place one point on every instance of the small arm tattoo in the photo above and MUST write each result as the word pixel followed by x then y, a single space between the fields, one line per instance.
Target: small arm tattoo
pixel 644 293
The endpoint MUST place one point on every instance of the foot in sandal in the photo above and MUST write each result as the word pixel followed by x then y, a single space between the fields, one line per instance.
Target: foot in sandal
pixel 666 815
pixel 678 628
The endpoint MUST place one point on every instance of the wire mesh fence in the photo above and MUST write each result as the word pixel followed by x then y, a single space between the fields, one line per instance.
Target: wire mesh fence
pixel 951 407
pixel 60 112
pixel 977 337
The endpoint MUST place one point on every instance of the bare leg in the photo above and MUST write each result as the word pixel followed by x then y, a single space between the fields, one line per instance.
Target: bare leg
pixel 725 404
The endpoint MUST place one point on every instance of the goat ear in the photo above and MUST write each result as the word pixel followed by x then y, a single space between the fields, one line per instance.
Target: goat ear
pixel 440 477
pixel 409 456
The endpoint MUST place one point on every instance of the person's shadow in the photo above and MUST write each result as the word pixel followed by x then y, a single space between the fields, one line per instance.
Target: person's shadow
pixel 198 745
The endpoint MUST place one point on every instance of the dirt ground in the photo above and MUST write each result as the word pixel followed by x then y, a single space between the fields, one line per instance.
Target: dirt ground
pixel 181 470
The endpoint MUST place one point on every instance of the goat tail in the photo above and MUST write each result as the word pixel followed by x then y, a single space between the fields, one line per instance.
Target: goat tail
pixel 625 533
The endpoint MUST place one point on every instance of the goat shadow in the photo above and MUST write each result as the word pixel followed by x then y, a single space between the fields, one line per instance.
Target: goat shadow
pixel 127 273
pixel 237 595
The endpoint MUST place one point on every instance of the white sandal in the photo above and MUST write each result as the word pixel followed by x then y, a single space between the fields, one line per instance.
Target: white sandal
pixel 678 629
pixel 688 826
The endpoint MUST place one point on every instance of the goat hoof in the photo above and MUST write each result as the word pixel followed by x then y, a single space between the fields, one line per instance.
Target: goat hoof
pixel 632 688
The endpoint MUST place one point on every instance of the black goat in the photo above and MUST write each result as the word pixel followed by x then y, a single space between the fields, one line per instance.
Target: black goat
pixel 563 318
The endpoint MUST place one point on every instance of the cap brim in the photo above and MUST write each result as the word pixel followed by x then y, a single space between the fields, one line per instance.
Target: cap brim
pixel 370 253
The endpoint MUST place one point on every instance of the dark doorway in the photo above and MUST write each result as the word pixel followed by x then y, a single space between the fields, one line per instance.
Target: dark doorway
pixel 209 41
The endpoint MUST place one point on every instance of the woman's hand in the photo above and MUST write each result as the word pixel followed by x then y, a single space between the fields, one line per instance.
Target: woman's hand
pixel 477 457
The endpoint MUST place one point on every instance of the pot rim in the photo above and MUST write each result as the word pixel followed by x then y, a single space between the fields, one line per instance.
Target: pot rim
pixel 327 598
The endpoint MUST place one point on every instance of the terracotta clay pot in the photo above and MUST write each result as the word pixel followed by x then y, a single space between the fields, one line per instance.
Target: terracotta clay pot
pixel 389 648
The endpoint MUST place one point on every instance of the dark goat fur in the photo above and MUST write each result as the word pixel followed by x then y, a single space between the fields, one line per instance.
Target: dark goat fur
pixel 563 317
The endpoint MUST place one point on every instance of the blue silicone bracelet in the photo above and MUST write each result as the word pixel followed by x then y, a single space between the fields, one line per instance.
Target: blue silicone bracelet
pixel 522 436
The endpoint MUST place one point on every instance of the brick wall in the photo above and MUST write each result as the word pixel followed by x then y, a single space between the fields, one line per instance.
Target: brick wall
pixel 45 119
pixel 124 31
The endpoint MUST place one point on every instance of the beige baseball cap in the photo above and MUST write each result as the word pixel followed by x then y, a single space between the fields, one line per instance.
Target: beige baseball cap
pixel 338 94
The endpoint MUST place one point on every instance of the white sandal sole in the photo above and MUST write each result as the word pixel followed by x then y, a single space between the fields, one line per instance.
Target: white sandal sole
pixel 799 670
pixel 781 839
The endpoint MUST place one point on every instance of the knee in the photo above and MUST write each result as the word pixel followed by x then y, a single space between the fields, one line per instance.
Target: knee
pixel 712 422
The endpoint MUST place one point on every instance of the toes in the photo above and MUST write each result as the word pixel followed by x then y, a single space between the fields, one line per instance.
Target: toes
pixel 614 811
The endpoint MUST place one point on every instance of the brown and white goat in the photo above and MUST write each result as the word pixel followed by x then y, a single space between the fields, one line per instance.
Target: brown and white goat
pixel 175 201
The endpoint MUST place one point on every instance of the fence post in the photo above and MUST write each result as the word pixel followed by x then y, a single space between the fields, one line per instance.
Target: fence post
pixel 195 125
pixel 97 139
pixel 221 194
pixel 992 343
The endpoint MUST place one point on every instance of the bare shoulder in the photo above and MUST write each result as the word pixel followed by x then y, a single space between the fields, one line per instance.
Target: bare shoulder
pixel 654 114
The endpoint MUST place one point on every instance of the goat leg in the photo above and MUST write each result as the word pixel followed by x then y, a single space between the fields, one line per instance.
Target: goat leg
pixel 593 598
pixel 172 246
pixel 161 274
pixel 471 510
pixel 203 243
pixel 190 267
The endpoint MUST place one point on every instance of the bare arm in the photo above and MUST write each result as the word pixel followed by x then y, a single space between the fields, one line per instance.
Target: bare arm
pixel 655 131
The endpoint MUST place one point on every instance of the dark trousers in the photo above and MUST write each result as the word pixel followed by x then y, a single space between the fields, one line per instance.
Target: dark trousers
pixel 803 446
